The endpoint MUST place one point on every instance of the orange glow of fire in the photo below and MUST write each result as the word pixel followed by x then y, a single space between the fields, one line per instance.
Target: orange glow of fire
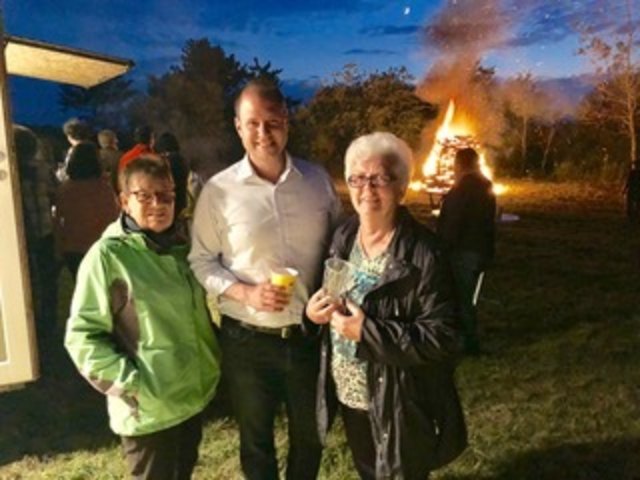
pixel 450 128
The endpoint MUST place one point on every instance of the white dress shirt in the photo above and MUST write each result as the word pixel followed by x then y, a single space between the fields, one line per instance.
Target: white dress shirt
pixel 244 226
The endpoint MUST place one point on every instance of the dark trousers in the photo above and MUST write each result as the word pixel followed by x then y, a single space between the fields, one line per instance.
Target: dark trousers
pixel 169 454
pixel 262 371
pixel 466 268
pixel 360 440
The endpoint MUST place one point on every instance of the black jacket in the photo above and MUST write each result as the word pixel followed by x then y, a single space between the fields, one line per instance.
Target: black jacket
pixel 410 337
pixel 467 218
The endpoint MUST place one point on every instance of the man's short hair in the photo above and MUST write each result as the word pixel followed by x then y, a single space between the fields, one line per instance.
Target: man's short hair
pixel 107 138
pixel 467 159
pixel 151 165
pixel 265 89
pixel 77 129
pixel 143 134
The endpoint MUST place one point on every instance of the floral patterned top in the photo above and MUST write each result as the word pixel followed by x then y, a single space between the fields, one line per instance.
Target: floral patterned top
pixel 349 373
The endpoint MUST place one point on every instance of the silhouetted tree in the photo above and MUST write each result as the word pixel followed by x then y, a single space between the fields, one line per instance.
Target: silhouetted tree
pixel 194 101
pixel 104 105
pixel 355 104
pixel 617 95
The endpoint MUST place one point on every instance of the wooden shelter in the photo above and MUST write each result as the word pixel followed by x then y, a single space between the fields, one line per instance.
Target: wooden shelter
pixel 30 58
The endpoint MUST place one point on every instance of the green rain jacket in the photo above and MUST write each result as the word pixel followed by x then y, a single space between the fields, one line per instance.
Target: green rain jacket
pixel 139 331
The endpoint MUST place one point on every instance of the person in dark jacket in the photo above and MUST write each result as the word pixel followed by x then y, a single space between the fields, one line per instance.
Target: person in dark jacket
pixel 387 358
pixel 632 192
pixel 167 147
pixel 466 227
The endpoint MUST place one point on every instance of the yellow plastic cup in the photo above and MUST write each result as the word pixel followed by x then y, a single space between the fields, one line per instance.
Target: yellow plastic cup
pixel 284 277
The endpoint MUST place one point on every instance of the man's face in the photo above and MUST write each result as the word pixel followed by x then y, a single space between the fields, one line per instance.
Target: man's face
pixel 263 128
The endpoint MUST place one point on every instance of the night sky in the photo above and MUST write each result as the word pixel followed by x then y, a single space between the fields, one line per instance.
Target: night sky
pixel 308 39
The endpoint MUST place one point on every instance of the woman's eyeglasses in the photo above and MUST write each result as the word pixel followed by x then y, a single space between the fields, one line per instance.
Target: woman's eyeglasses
pixel 162 196
pixel 377 180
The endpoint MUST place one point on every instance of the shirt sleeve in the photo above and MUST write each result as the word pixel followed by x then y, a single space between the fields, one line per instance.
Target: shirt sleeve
pixel 205 257
pixel 89 338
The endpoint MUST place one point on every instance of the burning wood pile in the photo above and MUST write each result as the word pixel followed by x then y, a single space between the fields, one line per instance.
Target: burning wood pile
pixel 437 170
pixel 440 176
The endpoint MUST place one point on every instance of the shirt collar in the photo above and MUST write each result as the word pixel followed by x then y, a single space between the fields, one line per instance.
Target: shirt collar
pixel 246 170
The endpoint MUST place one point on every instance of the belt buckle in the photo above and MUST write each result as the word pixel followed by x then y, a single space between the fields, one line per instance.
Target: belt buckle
pixel 285 332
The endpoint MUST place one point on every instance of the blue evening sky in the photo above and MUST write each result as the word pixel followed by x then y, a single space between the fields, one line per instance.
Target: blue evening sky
pixel 308 39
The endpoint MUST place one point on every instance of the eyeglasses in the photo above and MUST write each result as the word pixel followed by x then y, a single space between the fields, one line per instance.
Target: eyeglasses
pixel 374 181
pixel 162 196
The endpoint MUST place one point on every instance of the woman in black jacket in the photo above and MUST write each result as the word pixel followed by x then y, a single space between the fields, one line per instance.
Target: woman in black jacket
pixel 388 354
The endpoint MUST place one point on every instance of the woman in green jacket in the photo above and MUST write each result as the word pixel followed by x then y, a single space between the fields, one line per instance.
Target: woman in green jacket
pixel 139 329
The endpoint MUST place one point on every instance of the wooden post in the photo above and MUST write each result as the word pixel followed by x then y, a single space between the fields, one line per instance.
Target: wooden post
pixel 18 352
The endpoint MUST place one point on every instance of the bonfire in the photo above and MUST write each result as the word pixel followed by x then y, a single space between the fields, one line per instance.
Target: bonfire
pixel 452 135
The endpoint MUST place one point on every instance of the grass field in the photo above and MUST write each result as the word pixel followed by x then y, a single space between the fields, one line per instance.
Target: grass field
pixel 556 396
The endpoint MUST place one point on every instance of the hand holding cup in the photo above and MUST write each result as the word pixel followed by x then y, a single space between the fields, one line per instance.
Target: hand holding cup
pixel 320 307
pixel 284 279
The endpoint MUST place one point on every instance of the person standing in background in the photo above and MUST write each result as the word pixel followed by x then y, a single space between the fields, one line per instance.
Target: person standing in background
pixel 85 205
pixel 466 227
pixel 76 131
pixel 37 186
pixel 167 147
pixel 109 155
pixel 145 139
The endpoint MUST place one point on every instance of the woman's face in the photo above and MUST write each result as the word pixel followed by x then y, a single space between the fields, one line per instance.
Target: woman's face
pixel 373 187
pixel 149 201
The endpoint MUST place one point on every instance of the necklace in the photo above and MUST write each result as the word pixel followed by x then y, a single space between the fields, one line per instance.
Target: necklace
pixel 377 246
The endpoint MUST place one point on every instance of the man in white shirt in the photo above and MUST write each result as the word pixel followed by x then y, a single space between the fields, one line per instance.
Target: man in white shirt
pixel 267 211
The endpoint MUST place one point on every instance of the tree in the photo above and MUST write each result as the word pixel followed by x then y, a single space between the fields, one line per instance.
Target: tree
pixel 194 101
pixel 523 100
pixel 617 93
pixel 355 104
pixel 104 105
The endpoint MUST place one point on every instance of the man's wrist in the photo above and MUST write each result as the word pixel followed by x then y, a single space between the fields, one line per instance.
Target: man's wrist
pixel 237 291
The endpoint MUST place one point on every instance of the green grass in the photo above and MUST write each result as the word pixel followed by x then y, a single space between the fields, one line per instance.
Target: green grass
pixel 556 396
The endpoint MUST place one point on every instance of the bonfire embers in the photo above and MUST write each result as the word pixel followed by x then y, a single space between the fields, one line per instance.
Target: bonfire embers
pixel 437 171
pixel 441 177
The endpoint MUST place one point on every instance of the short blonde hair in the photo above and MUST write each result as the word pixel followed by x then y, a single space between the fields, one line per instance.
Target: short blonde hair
pixel 107 138
pixel 384 144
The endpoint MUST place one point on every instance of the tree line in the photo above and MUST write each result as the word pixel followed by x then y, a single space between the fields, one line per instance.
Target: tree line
pixel 539 133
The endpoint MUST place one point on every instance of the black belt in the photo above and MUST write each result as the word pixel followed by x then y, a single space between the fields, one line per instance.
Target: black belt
pixel 282 332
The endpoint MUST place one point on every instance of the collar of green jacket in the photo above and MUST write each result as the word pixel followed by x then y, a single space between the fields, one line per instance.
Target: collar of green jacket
pixel 168 242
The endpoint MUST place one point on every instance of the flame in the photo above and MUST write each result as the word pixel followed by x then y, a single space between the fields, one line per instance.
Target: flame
pixel 445 130
pixel 449 129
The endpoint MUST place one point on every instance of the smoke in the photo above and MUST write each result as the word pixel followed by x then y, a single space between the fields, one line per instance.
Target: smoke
pixel 458 37
pixel 468 27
